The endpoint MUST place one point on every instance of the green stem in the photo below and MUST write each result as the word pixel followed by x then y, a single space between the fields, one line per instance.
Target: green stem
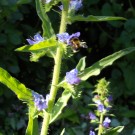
pixel 55 79
pixel 100 128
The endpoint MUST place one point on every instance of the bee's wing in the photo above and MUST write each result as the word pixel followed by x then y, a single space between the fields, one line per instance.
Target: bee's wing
pixel 83 44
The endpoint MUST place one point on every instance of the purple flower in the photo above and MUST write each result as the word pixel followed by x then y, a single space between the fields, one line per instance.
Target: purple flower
pixel 73 5
pixel 106 122
pixel 92 116
pixel 110 98
pixel 63 37
pixel 39 101
pixel 71 77
pixel 101 107
pixel 37 38
pixel 92 132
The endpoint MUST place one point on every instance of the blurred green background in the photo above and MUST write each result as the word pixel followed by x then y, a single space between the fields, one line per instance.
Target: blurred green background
pixel 18 21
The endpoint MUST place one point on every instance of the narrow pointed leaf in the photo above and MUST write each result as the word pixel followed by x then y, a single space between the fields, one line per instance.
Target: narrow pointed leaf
pixel 96 68
pixel 63 131
pixel 60 104
pixel 18 88
pixel 114 131
pixel 46 24
pixel 41 46
pixel 32 128
pixel 92 18
pixel 81 65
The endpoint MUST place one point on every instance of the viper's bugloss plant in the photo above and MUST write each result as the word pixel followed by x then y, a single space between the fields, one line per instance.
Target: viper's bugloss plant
pixel 103 101
pixel 57 46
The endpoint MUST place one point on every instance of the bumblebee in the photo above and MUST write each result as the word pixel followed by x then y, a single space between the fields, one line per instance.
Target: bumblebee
pixel 76 44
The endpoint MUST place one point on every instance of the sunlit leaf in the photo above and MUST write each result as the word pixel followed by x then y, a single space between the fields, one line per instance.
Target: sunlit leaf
pixel 60 104
pixel 41 46
pixel 18 88
pixel 81 64
pixel 114 131
pixel 32 128
pixel 63 131
pixel 96 68
pixel 46 24
pixel 92 18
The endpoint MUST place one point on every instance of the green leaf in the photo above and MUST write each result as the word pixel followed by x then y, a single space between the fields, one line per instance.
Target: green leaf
pixel 96 68
pixel 81 65
pixel 36 56
pixel 47 47
pixel 41 46
pixel 18 88
pixel 114 131
pixel 92 18
pixel 63 131
pixel 46 24
pixel 60 104
pixel 32 128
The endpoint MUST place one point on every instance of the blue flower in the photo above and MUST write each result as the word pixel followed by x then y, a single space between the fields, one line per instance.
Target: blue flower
pixel 71 77
pixel 39 101
pixel 101 107
pixel 37 38
pixel 92 132
pixel 110 98
pixel 106 122
pixel 73 5
pixel 92 116
pixel 63 37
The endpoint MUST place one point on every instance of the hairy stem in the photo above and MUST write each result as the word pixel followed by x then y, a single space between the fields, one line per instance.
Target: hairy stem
pixel 100 128
pixel 55 79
